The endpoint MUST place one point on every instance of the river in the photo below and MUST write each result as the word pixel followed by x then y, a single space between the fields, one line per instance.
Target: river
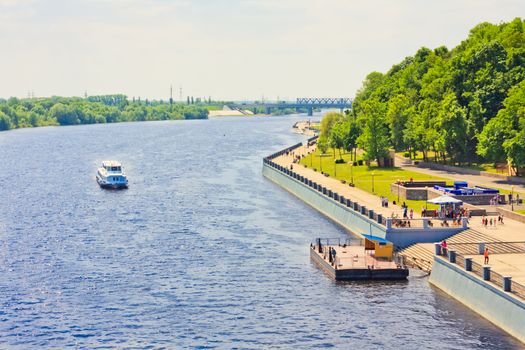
pixel 200 252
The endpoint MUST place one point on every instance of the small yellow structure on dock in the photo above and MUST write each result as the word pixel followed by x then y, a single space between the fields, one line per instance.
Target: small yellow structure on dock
pixel 381 247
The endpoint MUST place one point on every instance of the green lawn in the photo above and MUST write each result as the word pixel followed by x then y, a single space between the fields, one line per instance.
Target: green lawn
pixel 365 177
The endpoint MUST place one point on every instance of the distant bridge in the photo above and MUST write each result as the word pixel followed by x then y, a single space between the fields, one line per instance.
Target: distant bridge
pixel 301 103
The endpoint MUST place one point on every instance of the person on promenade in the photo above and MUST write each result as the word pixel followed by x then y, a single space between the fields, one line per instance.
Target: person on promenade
pixel 443 247
pixel 333 255
pixel 411 214
pixel 486 255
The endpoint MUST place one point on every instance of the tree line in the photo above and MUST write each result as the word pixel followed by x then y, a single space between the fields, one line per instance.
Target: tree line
pixel 33 112
pixel 453 106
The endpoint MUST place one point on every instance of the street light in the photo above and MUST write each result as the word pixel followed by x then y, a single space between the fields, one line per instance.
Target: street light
pixel 426 202
pixel 373 183
pixel 352 171
pixel 512 198
pixel 335 169
pixel 311 161
pixel 397 190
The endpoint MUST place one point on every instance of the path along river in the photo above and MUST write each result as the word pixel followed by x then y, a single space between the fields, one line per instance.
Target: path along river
pixel 200 252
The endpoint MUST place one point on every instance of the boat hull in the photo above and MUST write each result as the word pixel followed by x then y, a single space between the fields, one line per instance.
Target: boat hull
pixel 112 186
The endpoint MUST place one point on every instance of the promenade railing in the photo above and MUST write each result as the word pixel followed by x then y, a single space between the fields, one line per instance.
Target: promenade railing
pixel 484 271
pixel 390 223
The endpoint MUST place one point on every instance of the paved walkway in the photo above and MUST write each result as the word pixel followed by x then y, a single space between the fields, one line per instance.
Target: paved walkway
pixel 480 180
pixel 355 194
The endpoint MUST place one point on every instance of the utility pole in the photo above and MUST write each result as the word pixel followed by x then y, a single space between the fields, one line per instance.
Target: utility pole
pixel 180 93
pixel 171 94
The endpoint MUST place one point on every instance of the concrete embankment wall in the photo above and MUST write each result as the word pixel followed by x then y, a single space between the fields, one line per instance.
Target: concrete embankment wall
pixel 497 306
pixel 352 216
pixel 346 217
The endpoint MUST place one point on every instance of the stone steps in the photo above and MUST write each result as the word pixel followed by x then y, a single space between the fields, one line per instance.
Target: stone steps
pixel 421 255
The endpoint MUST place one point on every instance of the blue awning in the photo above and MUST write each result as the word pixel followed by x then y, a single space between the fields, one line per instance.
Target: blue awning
pixel 376 239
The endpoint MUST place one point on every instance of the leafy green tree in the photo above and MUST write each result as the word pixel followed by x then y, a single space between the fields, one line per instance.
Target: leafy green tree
pixel 352 131
pixel 453 127
pixel 337 136
pixel 5 121
pixel 374 139
pixel 328 121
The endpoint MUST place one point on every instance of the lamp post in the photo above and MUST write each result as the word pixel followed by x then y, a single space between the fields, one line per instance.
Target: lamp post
pixel 512 198
pixel 426 202
pixel 320 163
pixel 311 161
pixel 352 172
pixel 398 184
pixel 335 169
pixel 373 183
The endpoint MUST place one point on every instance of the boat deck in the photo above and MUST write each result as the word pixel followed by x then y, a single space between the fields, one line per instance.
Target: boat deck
pixel 356 263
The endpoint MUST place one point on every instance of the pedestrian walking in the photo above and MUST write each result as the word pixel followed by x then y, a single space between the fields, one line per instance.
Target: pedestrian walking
pixel 411 214
pixel 486 255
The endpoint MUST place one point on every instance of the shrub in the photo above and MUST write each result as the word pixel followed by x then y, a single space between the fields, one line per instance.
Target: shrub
pixel 360 162
pixel 339 161
pixel 407 154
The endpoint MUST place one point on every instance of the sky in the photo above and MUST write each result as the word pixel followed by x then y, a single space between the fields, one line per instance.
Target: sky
pixel 223 49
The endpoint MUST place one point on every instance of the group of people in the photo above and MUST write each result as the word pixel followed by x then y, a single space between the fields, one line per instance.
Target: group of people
pixel 384 202
pixel 455 222
pixel 331 255
pixel 401 223
pixel 485 221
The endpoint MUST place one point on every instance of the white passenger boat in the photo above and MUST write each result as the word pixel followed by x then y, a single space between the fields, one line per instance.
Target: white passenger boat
pixel 111 175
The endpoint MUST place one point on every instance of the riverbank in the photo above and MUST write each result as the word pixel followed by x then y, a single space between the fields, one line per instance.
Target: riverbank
pixel 344 205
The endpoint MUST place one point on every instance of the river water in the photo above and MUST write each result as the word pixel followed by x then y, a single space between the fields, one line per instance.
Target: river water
pixel 200 252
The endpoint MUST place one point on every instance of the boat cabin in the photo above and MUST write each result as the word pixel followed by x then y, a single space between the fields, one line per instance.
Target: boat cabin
pixel 112 166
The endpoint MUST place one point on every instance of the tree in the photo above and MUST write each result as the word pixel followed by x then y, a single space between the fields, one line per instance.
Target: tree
pixel 322 144
pixel 397 115
pixel 351 131
pixel 374 139
pixel 337 135
pixel 453 127
pixel 328 121
pixel 5 122
pixel 515 150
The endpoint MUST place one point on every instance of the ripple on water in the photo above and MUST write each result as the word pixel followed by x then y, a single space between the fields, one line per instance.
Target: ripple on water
pixel 200 252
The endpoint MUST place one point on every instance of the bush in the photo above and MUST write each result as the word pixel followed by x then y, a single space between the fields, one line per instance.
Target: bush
pixel 416 162
pixel 407 154
pixel 339 161
pixel 360 162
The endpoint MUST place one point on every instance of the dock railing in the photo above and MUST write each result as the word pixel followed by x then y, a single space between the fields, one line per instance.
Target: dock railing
pixel 484 271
